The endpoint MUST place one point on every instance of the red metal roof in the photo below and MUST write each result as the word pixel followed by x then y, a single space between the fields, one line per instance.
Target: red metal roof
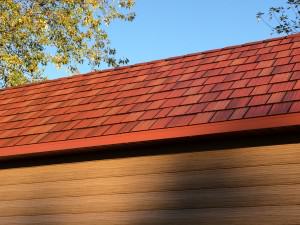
pixel 245 87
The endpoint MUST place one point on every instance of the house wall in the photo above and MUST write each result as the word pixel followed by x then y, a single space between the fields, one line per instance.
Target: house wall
pixel 242 186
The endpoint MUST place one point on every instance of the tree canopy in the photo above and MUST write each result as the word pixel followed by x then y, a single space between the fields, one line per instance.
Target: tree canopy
pixel 283 19
pixel 35 33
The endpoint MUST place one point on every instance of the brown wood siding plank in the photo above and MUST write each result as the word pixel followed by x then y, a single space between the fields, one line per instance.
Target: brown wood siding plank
pixel 189 199
pixel 270 215
pixel 219 178
pixel 240 157
pixel 242 186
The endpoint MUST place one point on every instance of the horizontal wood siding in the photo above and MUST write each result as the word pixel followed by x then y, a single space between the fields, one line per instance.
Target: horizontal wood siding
pixel 246 186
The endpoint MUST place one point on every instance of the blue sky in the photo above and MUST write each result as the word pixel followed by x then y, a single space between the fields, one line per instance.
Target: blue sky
pixel 166 28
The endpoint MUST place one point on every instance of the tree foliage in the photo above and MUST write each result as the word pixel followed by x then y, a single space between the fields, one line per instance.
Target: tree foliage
pixel 283 19
pixel 35 33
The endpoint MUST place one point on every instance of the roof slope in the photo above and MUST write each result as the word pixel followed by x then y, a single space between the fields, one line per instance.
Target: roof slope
pixel 250 86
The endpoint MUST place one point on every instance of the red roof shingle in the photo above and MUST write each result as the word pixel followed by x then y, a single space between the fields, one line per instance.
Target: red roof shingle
pixel 250 86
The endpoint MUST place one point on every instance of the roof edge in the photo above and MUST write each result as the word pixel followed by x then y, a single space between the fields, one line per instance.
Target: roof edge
pixel 153 61
pixel 267 122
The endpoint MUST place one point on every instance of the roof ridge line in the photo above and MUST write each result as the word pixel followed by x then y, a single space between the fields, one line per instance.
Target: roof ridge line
pixel 150 62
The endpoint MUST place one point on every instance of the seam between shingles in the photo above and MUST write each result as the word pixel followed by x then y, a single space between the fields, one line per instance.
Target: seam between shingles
pixel 137 76
pixel 107 107
pixel 119 69
pixel 283 120
pixel 103 125
pixel 120 92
